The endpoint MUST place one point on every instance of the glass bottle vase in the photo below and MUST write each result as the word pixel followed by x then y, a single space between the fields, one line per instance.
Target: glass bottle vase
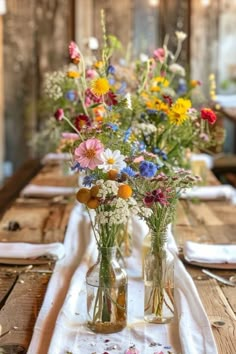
pixel 106 283
pixel 159 286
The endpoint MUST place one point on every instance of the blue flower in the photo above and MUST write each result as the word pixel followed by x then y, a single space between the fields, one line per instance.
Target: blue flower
pixel 161 153
pixel 128 171
pixel 111 69
pixel 127 135
pixel 142 146
pixel 182 87
pixel 152 111
pixel 70 95
pixel 148 169
pixel 113 126
pixel 122 88
pixel 88 180
pixel 112 81
pixel 77 167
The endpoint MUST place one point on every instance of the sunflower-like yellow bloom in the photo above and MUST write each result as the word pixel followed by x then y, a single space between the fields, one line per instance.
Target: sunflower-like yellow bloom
pixel 179 111
pixel 100 86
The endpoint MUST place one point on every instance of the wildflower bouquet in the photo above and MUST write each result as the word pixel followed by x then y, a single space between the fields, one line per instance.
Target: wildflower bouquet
pixel 157 197
pixel 166 120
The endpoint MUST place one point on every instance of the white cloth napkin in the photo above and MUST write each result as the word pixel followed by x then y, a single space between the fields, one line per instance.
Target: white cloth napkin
pixel 33 190
pixel 55 157
pixel 29 250
pixel 71 334
pixel 200 252
pixel 211 193
pixel 208 159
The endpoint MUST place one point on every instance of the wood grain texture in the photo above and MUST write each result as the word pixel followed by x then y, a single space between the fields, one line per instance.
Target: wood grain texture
pixel 213 222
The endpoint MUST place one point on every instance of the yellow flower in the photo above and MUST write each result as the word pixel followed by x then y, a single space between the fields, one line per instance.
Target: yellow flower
pixel 98 64
pixel 100 86
pixel 73 74
pixel 179 111
pixel 162 81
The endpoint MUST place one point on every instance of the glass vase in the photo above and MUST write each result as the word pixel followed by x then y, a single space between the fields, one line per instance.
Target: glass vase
pixel 106 283
pixel 159 286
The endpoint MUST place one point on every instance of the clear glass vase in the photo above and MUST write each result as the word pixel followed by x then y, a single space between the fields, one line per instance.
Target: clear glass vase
pixel 159 286
pixel 106 283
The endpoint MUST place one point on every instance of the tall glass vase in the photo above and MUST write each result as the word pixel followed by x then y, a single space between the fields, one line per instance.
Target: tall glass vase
pixel 106 284
pixel 159 285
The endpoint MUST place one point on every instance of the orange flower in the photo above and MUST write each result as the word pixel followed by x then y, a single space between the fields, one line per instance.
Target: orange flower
pixel 83 195
pixel 125 191
pixel 93 203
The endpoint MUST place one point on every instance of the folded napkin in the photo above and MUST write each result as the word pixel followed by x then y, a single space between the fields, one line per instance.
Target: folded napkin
pixel 55 157
pixel 211 193
pixel 208 159
pixel 33 190
pixel 30 250
pixel 200 252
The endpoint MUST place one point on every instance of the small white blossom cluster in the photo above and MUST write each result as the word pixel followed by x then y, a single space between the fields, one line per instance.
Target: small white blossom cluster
pixel 53 84
pixel 107 188
pixel 145 128
pixel 177 69
pixel 119 210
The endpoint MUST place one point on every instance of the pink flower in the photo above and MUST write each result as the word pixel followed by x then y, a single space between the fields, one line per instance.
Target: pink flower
pixel 88 153
pixel 70 136
pixel 74 52
pixel 59 114
pixel 138 159
pixel 159 55
pixel 91 74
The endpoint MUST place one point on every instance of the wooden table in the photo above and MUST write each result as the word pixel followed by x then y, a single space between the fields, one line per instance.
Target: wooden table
pixel 46 221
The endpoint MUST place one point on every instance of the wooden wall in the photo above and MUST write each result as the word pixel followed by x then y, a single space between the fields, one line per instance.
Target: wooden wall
pixel 1 102
pixel 36 36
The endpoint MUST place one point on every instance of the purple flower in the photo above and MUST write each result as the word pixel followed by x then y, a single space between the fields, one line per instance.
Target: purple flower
pixel 147 169
pixel 70 95
pixel 59 114
pixel 111 69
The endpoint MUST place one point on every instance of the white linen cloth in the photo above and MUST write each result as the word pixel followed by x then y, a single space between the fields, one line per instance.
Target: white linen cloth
pixel 75 247
pixel 72 335
pixel 201 252
pixel 211 192
pixel 2 7
pixel 31 250
pixel 33 190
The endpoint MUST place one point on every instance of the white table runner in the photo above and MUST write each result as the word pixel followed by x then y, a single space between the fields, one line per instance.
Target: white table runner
pixel 190 327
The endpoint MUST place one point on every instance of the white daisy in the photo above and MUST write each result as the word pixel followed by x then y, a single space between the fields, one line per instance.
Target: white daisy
pixel 112 160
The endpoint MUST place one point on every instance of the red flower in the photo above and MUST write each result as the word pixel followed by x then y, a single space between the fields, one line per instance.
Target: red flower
pixel 92 97
pixel 82 121
pixel 59 114
pixel 168 100
pixel 156 196
pixel 74 52
pixel 208 114
pixel 110 98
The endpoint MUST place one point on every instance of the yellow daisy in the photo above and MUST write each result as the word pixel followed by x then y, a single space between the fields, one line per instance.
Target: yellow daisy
pixel 73 74
pixel 179 111
pixel 100 86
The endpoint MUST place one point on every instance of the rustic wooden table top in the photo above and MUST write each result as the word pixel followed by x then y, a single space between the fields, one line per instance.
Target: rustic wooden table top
pixel 45 220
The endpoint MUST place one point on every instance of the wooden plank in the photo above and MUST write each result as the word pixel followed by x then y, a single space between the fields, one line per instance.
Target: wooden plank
pixel 218 309
pixel 2 135
pixel 22 308
pixel 204 214
pixel 13 186
pixel 181 216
